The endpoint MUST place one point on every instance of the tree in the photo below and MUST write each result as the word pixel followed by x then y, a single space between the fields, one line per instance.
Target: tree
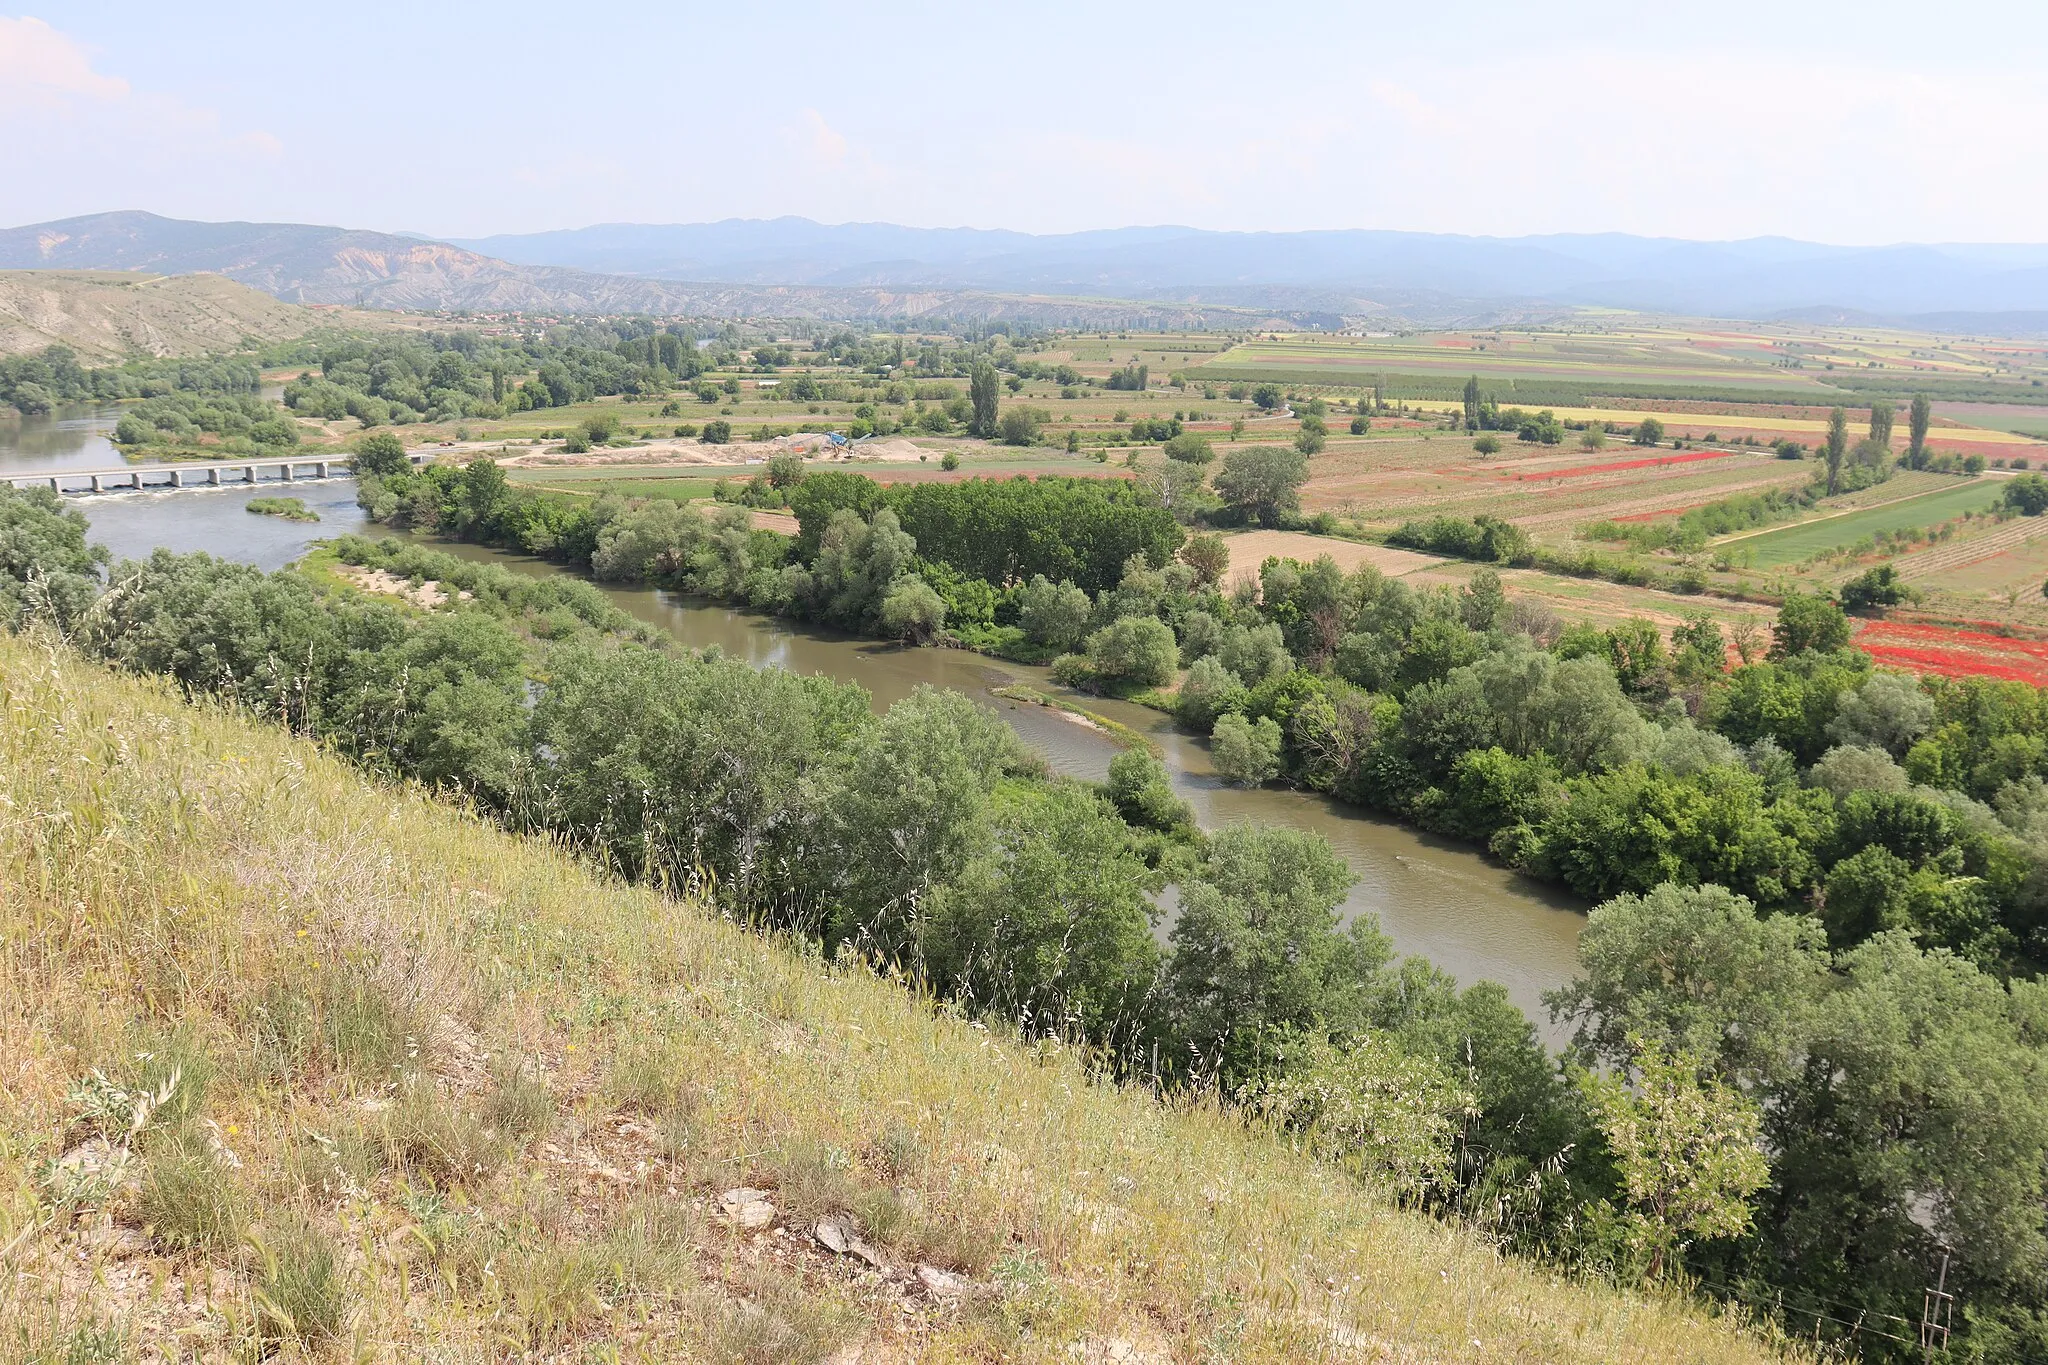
pixel 785 470
pixel 1808 622
pixel 1266 397
pixel 1360 425
pixel 716 433
pixel 984 387
pixel 1263 482
pixel 1472 403
pixel 1836 447
pixel 1136 650
pixel 1309 442
pixel 1594 437
pixel 1649 431
pixel 912 611
pixel 46 566
pixel 1019 427
pixel 1208 691
pixel 1921 416
pixel 1889 711
pixel 1050 926
pixel 1917 1125
pixel 1258 960
pixel 1697 647
pixel 1208 555
pixel 2027 494
pixel 1055 616
pixel 1487 445
pixel 909 814
pixel 1687 1147
pixel 381 454
pixel 1881 424
pixel 1190 448
pixel 1881 586
pixel 1138 787
pixel 1246 753
pixel 1693 970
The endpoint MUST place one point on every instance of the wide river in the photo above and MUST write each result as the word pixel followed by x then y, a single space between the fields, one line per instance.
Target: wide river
pixel 1434 898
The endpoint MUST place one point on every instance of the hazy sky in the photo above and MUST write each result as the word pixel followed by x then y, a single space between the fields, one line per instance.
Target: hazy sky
pixel 1874 121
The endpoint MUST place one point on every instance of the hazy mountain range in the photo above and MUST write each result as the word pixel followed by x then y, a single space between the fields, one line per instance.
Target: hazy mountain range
pixel 1159 276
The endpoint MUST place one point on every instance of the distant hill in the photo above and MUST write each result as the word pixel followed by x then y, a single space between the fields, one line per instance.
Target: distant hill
pixel 302 263
pixel 1757 277
pixel 1123 277
pixel 105 315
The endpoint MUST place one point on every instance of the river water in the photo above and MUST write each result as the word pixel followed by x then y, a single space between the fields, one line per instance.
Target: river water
pixel 1434 898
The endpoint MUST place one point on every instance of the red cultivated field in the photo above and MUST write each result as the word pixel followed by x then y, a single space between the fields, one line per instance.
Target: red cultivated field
pixel 1954 653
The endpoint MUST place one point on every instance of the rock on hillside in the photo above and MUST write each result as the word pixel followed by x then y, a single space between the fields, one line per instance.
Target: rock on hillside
pixel 105 315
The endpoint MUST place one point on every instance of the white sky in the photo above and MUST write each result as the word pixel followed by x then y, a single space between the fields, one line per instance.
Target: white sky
pixel 1863 122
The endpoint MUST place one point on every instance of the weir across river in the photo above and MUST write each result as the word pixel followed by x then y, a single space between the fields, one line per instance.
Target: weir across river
pixel 191 474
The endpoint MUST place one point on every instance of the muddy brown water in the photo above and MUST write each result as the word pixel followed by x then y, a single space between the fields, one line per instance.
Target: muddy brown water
pixel 1434 898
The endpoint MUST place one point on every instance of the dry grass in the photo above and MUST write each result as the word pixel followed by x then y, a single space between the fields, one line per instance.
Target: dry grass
pixel 474 1103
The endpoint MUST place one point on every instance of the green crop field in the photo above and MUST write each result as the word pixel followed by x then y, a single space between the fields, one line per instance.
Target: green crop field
pixel 1541 367
pixel 1791 544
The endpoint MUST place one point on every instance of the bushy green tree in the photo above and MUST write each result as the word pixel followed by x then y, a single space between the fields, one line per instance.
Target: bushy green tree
pixel 1137 651
pixel 1258 959
pixel 1049 924
pixel 381 454
pixel 1263 482
pixel 1808 621
pixel 1053 615
pixel 1247 753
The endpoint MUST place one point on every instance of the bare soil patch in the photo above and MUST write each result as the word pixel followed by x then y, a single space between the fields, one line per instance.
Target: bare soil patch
pixel 429 594
pixel 1250 549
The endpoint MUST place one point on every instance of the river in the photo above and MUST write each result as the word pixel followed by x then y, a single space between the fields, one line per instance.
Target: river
pixel 1434 898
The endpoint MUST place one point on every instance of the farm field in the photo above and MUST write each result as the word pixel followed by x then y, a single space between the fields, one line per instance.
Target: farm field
pixel 1553 366
pixel 1954 652
pixel 1383 481
pixel 1790 544
pixel 1742 385
pixel 1250 549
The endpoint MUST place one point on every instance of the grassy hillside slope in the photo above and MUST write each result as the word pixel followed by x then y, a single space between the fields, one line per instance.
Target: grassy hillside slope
pixel 288 1058
pixel 108 315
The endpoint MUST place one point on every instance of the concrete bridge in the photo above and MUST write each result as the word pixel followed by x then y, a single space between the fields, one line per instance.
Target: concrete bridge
pixel 196 474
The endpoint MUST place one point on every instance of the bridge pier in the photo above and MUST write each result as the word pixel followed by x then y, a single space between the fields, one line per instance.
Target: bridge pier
pixel 213 475
pixel 322 467
pixel 56 484
pixel 96 484
pixel 249 473
pixel 285 471
pixel 177 478
pixel 135 479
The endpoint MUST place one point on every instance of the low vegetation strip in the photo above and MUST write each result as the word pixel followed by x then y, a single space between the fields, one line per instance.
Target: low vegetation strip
pixel 1616 466
pixel 356 1074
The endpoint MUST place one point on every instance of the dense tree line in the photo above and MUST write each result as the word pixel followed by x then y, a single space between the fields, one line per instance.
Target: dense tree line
pixel 974 541
pixel 1801 1109
pixel 241 421
pixel 34 383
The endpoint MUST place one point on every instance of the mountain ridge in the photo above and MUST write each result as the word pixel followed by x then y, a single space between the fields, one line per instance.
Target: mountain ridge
pixel 1145 277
